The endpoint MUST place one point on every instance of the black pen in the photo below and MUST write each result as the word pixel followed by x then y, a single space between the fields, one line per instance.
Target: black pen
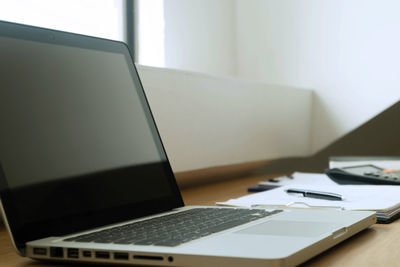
pixel 315 194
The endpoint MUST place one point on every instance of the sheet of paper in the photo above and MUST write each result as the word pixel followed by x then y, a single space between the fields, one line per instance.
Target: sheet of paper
pixel 356 197
pixel 386 164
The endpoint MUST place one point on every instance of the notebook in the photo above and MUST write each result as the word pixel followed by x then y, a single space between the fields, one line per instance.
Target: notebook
pixel 84 176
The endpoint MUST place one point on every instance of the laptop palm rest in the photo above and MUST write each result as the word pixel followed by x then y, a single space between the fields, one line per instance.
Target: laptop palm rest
pixel 290 228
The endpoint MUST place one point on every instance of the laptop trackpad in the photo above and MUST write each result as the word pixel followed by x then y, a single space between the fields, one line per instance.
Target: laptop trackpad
pixel 289 228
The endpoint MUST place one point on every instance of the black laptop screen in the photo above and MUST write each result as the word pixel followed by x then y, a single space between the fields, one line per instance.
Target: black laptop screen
pixel 78 145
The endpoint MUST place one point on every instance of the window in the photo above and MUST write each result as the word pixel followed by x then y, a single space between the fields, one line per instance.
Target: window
pixel 150 33
pixel 90 17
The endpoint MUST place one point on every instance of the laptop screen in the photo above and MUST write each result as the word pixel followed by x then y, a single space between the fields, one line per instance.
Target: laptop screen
pixel 78 144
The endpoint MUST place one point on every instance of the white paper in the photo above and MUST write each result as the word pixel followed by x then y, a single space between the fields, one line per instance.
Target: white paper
pixel 385 164
pixel 356 197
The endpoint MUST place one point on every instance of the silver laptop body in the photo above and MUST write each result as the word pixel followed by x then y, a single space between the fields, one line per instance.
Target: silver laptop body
pixel 80 156
pixel 286 239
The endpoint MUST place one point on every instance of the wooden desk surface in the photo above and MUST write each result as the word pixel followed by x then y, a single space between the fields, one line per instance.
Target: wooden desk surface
pixel 376 246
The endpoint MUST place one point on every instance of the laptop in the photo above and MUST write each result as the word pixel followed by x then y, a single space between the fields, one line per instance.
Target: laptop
pixel 84 176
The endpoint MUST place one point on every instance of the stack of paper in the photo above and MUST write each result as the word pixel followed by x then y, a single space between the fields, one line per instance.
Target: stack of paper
pixel 384 199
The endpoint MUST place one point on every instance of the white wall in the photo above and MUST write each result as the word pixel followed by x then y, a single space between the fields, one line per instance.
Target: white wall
pixel 347 51
pixel 207 120
pixel 199 36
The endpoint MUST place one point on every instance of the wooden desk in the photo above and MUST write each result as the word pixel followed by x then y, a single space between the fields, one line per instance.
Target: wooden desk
pixel 377 246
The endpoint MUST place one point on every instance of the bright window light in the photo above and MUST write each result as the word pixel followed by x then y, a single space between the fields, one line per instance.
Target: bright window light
pixel 151 39
pixel 90 17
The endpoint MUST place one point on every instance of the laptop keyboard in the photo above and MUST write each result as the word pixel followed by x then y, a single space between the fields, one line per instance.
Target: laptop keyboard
pixel 175 229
